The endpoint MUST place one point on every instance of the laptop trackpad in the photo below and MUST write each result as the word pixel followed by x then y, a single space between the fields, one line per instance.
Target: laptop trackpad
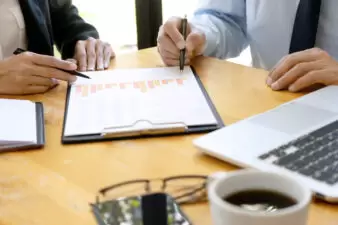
pixel 293 118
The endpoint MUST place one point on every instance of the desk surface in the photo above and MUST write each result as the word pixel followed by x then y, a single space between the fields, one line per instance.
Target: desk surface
pixel 54 186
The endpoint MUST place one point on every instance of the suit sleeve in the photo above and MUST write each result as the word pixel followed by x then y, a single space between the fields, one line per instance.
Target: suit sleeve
pixel 224 24
pixel 68 27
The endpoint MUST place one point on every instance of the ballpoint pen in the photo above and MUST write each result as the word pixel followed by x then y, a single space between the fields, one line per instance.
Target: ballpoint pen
pixel 184 24
pixel 73 72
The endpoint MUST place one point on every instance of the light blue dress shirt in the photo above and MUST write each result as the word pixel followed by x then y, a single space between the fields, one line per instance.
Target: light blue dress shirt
pixel 264 25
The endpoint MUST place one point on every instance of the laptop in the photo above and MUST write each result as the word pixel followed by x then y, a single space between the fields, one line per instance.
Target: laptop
pixel 298 139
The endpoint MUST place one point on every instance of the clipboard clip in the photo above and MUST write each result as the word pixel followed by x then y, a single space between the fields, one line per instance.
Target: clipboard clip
pixel 144 127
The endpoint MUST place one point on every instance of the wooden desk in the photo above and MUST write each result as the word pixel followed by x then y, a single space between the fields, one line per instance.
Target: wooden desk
pixel 54 186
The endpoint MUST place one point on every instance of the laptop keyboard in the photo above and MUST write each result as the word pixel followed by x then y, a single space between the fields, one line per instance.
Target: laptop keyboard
pixel 314 155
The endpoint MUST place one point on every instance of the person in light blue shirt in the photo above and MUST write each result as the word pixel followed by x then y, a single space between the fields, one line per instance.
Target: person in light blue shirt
pixel 224 28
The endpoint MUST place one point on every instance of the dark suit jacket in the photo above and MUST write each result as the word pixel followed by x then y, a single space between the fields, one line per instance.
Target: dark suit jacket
pixel 50 22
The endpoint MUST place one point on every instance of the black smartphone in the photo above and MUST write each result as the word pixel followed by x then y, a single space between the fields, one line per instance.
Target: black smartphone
pixel 151 209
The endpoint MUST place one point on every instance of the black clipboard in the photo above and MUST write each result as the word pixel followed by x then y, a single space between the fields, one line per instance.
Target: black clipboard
pixel 40 132
pixel 177 129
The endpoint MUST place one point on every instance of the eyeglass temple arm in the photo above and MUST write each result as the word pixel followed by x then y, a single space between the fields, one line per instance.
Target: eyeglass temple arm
pixel 104 190
pixel 186 177
pixel 196 190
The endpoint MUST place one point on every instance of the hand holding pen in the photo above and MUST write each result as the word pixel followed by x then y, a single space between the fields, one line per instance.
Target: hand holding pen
pixel 70 71
pixel 172 43
pixel 30 73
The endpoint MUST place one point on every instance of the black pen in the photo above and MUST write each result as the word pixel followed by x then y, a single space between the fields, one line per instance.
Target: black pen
pixel 184 24
pixel 73 72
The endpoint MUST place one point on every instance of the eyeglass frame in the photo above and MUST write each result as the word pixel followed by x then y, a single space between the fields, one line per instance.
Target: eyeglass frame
pixel 147 182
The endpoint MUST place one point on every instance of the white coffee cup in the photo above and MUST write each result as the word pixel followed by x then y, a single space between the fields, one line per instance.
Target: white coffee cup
pixel 224 213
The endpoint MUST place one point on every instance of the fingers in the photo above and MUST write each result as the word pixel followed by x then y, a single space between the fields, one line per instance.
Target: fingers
pixel 284 65
pixel 167 45
pixel 99 55
pixel 295 73
pixel 108 54
pixel 41 81
pixel 323 76
pixel 49 61
pixel 326 77
pixel 25 83
pixel 171 60
pixel 168 50
pixel 31 84
pixel 52 73
pixel 72 61
pixel 167 58
pixel 170 42
pixel 171 29
pixel 175 62
pixel 81 55
pixel 93 54
pixel 303 69
pixel 169 55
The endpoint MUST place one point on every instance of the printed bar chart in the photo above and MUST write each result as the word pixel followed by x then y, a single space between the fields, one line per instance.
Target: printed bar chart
pixel 144 86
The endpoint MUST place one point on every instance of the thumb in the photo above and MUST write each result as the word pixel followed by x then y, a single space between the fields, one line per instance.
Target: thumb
pixel 195 42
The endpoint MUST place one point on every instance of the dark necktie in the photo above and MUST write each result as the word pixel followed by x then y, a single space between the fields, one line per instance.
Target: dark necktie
pixel 305 26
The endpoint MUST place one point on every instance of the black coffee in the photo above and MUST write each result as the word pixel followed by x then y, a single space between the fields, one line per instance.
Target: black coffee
pixel 260 200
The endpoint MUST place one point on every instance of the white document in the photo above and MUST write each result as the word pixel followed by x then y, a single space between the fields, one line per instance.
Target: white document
pixel 122 97
pixel 17 123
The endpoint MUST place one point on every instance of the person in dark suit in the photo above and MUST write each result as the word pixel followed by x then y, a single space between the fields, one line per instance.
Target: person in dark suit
pixel 38 25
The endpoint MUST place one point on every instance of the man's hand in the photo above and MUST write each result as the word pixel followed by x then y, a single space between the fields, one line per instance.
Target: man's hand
pixel 30 73
pixel 170 42
pixel 304 69
pixel 93 54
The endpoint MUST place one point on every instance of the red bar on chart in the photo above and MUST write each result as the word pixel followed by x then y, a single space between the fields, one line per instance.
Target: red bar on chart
pixel 151 84
pixel 93 88
pixel 108 86
pixel 79 89
pixel 179 81
pixel 136 84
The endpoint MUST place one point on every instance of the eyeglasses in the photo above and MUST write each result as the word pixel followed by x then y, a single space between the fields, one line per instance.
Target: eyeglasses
pixel 184 189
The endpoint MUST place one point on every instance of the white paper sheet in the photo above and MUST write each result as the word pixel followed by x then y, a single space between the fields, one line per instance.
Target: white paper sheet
pixel 17 122
pixel 121 97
